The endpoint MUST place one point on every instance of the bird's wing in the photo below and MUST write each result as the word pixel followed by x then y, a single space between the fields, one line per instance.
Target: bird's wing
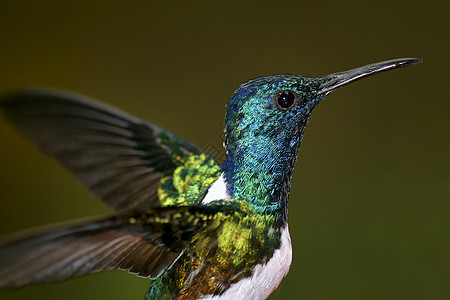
pixel 145 243
pixel 121 158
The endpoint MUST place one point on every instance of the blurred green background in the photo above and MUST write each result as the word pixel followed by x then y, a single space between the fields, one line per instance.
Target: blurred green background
pixel 369 208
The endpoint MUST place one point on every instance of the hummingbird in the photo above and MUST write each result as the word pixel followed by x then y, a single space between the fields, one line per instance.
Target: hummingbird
pixel 199 229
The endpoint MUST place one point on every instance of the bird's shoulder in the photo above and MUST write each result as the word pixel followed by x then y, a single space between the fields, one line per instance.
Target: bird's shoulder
pixel 189 183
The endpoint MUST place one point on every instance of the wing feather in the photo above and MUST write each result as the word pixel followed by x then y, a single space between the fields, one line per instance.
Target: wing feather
pixel 84 249
pixel 115 154
pixel 145 243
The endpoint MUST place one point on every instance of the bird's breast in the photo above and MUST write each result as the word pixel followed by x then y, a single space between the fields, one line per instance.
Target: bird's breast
pixel 265 277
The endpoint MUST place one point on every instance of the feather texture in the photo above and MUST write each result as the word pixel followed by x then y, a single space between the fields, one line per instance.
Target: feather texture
pixel 145 243
pixel 119 157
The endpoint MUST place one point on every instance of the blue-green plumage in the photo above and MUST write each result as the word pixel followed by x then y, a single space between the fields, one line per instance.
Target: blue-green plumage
pixel 197 228
pixel 262 140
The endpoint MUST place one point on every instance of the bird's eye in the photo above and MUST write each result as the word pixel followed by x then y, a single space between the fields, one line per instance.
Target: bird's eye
pixel 285 99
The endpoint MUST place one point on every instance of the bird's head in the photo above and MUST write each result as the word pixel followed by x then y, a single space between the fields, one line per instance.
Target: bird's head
pixel 264 124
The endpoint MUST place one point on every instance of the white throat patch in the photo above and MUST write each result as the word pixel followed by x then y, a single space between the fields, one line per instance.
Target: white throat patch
pixel 217 191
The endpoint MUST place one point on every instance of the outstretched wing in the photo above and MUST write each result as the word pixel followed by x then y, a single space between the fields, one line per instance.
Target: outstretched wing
pixel 144 243
pixel 121 158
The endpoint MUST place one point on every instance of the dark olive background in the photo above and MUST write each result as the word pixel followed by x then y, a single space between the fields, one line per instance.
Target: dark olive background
pixel 369 208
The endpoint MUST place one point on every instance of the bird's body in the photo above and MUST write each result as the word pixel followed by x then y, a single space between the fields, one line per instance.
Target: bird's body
pixel 199 229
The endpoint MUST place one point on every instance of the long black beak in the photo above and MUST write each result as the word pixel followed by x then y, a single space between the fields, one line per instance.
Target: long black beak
pixel 334 81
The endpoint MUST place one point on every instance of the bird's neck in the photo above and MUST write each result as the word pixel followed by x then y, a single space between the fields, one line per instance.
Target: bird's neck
pixel 259 170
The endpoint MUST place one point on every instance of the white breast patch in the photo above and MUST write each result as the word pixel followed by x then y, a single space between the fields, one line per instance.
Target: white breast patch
pixel 265 278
